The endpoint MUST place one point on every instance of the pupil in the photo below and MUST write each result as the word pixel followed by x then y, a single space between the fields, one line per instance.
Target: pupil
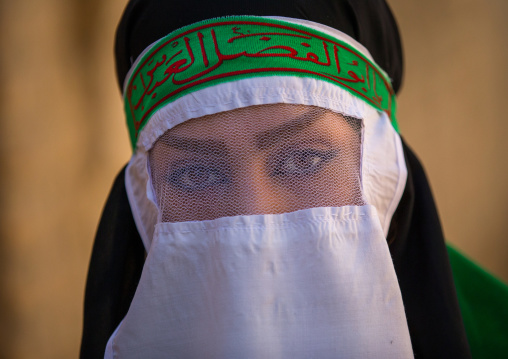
pixel 198 175
pixel 305 160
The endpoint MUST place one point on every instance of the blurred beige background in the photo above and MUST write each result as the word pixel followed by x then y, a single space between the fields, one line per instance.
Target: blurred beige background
pixel 64 140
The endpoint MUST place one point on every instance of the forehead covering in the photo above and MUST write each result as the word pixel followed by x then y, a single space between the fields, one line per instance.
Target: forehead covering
pixel 230 48
pixel 370 22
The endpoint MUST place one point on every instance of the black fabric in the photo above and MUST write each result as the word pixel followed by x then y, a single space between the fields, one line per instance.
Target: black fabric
pixel 421 262
pixel 370 22
pixel 117 260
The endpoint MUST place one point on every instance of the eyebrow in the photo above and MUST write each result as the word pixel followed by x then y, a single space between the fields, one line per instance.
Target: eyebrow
pixel 270 137
pixel 262 140
pixel 195 145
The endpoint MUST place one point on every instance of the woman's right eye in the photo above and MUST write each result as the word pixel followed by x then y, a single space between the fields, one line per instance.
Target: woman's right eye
pixel 198 177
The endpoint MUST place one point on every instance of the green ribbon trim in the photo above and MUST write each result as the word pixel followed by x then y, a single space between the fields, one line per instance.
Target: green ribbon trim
pixel 238 47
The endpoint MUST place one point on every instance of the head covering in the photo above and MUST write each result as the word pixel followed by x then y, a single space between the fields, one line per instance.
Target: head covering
pixel 371 23
pixel 416 241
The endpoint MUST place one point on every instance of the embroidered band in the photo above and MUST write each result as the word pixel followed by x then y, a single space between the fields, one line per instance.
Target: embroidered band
pixel 238 47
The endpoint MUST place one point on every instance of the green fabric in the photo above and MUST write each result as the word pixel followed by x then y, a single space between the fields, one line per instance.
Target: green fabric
pixel 238 47
pixel 483 301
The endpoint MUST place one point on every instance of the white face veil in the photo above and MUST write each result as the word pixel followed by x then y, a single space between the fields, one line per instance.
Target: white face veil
pixel 263 203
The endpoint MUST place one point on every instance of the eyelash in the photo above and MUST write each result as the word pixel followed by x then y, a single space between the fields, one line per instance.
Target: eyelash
pixel 297 163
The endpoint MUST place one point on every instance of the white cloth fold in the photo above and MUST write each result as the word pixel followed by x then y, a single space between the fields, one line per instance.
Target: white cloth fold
pixel 316 283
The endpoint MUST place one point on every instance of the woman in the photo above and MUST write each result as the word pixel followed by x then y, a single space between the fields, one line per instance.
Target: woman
pixel 281 214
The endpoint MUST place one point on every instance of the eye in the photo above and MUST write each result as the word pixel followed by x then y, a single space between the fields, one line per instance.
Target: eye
pixel 198 177
pixel 302 162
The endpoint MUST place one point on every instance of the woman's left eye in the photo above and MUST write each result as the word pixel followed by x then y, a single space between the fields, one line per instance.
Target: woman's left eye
pixel 301 162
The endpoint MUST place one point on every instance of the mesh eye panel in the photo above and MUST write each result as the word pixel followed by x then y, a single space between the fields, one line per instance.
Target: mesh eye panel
pixel 264 159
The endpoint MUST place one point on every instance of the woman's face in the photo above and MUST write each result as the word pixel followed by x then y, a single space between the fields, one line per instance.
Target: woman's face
pixel 264 159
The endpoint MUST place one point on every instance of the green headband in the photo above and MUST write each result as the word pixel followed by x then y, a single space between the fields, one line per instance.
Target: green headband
pixel 238 47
